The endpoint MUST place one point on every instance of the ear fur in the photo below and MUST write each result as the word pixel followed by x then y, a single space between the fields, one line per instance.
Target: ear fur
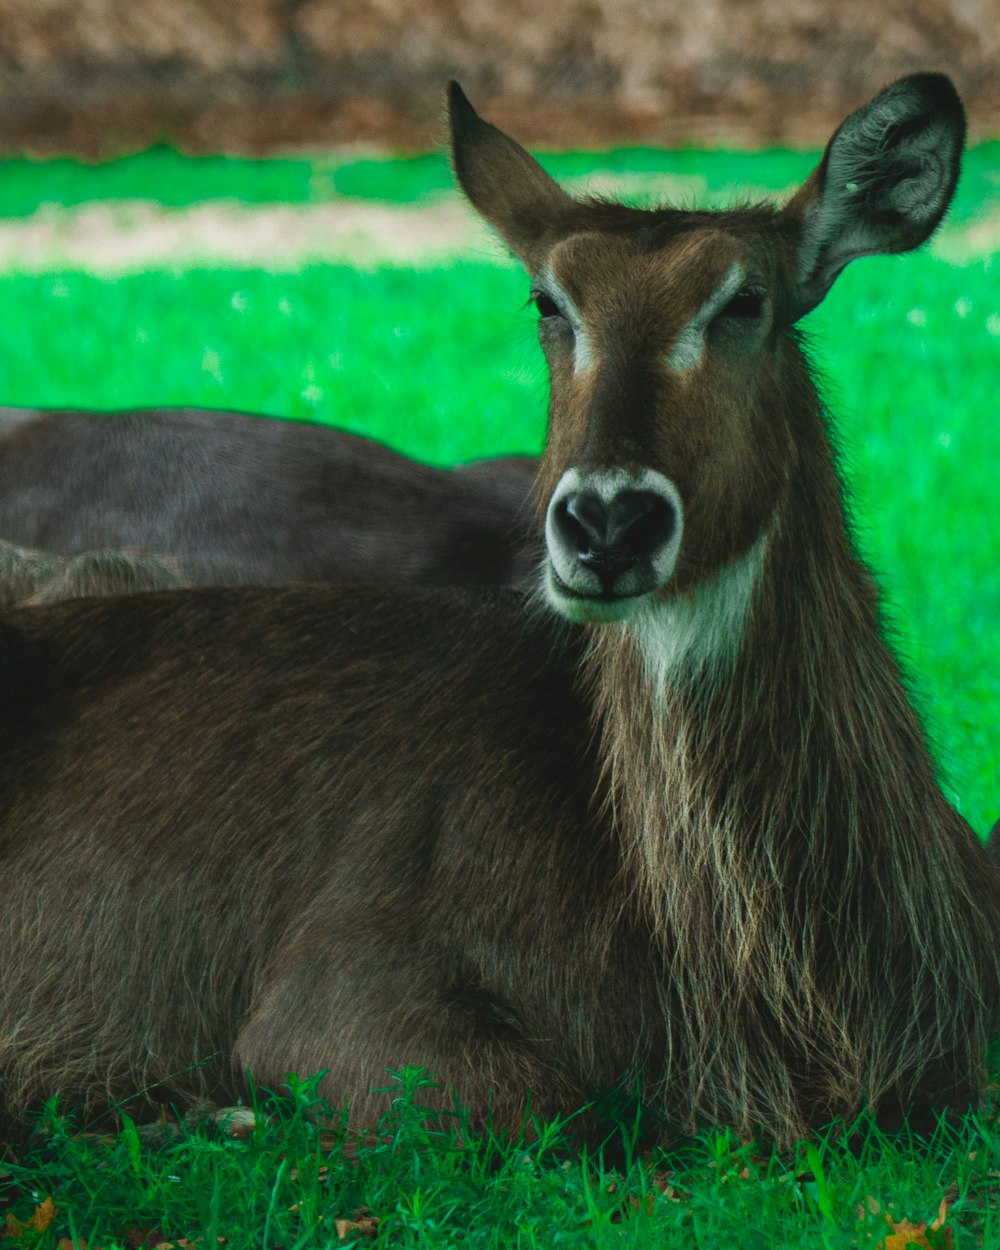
pixel 884 183
pixel 504 183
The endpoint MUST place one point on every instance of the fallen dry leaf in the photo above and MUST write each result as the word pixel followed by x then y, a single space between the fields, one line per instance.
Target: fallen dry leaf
pixel 924 1236
pixel 38 1222
pixel 367 1227
pixel 44 1214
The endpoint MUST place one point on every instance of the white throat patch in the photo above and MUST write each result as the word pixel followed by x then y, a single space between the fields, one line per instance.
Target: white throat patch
pixel 701 631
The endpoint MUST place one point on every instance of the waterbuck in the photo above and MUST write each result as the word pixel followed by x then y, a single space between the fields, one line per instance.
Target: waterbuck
pixel 673 823
pixel 243 500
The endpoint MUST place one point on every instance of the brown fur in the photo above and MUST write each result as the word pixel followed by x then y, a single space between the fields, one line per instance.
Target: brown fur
pixel 799 860
pixel 355 828
pixel 244 500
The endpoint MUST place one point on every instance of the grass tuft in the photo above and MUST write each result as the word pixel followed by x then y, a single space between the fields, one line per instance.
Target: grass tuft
pixel 423 1178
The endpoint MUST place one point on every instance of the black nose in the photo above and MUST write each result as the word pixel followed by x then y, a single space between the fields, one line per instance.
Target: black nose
pixel 611 536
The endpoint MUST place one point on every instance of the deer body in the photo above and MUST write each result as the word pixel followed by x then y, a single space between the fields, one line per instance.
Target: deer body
pixel 242 500
pixel 375 905
pixel 673 824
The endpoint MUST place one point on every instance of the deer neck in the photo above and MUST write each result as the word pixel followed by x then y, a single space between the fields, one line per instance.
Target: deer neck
pixel 780 820
pixel 762 677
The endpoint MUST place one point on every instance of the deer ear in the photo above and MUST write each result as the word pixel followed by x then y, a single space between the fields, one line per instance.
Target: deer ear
pixel 505 184
pixel 884 183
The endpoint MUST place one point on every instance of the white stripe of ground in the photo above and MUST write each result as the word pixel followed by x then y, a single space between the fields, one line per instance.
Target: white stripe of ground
pixel 126 235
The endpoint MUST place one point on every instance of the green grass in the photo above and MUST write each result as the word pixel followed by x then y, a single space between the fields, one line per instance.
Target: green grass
pixel 441 362
pixel 174 180
pixel 423 1180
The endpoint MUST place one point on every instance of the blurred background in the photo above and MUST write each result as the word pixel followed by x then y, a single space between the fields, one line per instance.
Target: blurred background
pixel 99 77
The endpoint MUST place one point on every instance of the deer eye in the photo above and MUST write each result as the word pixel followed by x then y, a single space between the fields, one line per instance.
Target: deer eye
pixel 546 305
pixel 746 304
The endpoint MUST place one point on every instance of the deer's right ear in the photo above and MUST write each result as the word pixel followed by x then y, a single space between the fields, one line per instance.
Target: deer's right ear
pixel 884 182
pixel 504 183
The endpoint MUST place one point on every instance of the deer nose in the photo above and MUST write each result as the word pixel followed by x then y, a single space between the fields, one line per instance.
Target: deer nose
pixel 611 536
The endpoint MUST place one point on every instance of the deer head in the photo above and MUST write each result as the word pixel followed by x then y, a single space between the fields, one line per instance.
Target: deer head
pixel 679 393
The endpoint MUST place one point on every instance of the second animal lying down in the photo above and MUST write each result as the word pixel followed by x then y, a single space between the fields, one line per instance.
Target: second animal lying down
pixel 242 500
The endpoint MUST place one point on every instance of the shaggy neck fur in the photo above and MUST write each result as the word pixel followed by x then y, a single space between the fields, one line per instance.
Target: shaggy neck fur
pixel 828 920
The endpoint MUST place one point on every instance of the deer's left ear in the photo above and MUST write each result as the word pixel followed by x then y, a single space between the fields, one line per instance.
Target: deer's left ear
pixel 884 183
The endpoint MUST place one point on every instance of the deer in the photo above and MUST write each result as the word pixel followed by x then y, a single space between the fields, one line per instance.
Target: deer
pixel 669 824
pixel 236 499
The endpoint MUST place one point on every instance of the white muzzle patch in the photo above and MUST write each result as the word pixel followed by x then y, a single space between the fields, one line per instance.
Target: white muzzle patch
pixel 578 592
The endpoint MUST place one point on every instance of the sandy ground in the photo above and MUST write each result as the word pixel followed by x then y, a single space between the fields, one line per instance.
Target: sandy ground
pixel 129 235
pixel 126 235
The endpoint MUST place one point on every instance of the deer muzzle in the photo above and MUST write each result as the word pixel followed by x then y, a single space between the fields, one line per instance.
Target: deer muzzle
pixel 612 537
